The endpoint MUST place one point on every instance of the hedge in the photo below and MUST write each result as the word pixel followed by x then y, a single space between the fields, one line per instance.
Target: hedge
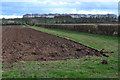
pixel 101 29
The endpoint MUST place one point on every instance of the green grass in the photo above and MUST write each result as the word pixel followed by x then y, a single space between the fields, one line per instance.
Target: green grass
pixel 88 67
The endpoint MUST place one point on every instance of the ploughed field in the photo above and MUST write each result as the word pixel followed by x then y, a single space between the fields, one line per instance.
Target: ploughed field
pixel 25 44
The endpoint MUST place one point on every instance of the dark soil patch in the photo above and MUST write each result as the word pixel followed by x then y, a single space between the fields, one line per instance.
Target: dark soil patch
pixel 24 44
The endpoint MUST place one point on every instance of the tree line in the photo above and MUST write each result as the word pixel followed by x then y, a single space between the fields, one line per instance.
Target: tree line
pixel 60 20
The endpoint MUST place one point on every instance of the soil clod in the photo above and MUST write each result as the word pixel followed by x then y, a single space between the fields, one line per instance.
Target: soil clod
pixel 78 49
pixel 104 62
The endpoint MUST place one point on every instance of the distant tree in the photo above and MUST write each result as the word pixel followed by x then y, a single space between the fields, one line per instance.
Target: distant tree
pixel 3 18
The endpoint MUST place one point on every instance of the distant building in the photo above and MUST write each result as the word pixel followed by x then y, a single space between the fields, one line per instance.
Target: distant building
pixel 111 15
pixel 72 15
pixel 10 21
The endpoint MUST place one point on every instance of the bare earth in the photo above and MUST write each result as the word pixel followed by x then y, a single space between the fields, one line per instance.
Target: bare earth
pixel 24 44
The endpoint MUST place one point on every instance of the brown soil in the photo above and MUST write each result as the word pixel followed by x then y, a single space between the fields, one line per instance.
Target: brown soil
pixel 24 44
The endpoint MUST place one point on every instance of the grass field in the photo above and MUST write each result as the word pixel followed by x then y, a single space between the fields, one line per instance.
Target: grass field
pixel 88 67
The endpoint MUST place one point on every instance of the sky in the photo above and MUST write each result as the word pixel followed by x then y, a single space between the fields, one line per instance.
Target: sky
pixel 17 8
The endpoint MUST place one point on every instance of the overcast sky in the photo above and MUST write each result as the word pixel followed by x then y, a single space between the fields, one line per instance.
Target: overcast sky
pixel 17 8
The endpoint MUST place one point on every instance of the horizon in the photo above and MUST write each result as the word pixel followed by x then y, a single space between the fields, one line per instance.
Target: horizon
pixel 11 9
pixel 50 13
